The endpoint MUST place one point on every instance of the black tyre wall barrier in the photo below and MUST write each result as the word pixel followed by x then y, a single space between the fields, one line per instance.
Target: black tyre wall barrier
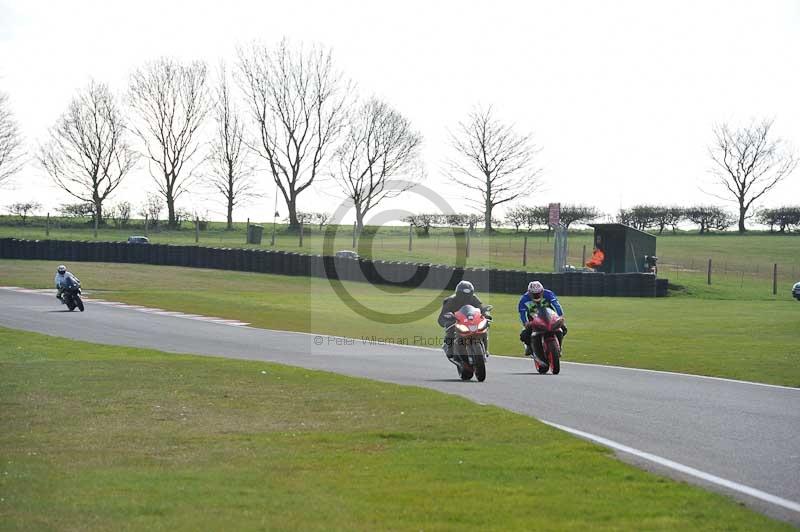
pixel 433 276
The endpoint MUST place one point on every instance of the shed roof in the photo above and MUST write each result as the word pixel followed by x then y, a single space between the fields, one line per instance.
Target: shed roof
pixel 619 227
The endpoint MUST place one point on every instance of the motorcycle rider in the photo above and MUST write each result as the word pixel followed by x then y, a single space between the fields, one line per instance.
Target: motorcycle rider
pixel 536 295
pixel 61 276
pixel 463 295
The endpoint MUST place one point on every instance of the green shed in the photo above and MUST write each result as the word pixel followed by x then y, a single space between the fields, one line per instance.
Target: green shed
pixel 626 249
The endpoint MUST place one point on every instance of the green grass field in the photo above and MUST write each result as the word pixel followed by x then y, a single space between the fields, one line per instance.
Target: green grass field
pixel 109 438
pixel 751 339
pixel 741 264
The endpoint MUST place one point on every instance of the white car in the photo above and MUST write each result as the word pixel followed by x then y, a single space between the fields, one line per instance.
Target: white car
pixel 796 291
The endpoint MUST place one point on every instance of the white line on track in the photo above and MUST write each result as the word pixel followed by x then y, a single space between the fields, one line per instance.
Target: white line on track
pixel 702 475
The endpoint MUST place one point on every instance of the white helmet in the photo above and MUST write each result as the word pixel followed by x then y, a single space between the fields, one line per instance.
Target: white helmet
pixel 535 289
pixel 61 269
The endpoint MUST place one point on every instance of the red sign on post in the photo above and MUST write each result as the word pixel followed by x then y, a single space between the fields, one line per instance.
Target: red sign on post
pixel 555 214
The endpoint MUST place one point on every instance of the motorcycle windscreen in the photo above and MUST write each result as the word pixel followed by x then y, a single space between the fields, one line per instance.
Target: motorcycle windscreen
pixel 469 311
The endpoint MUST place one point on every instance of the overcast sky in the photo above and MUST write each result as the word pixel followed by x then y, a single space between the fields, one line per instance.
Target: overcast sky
pixel 621 96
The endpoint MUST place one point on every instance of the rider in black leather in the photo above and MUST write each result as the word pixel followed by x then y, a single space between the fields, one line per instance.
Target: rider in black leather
pixel 464 295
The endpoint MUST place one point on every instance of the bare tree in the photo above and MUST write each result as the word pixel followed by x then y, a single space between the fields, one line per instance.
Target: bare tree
pixel 379 144
pixel 516 216
pixel 121 213
pixel 87 153
pixel 297 100
pixel 321 218
pixel 24 208
pixel 424 222
pixel 10 141
pixel 151 208
pixel 494 160
pixel 571 214
pixel 231 173
pixel 749 163
pixel 172 101
pixel 709 217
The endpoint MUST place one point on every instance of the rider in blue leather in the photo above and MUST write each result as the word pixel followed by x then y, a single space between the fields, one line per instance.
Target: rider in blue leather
pixel 536 294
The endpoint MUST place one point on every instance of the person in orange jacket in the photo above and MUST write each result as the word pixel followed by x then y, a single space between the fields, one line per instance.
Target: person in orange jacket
pixel 597 259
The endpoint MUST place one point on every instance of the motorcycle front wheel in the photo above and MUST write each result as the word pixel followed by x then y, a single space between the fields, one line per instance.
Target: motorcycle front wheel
pixel 554 355
pixel 479 360
pixel 79 303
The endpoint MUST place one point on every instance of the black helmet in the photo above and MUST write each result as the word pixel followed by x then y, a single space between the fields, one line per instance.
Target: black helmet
pixel 465 288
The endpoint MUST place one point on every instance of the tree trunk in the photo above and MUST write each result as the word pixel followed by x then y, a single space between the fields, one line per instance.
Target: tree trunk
pixel 230 213
pixel 294 223
pixel 98 211
pixel 742 213
pixel 359 219
pixel 487 223
pixel 171 212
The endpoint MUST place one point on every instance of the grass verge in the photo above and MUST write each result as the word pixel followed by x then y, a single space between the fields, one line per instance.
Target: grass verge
pixel 108 438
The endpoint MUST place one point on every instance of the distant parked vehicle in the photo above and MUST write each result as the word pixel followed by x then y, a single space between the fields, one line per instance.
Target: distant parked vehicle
pixel 347 254
pixel 138 240
pixel 796 291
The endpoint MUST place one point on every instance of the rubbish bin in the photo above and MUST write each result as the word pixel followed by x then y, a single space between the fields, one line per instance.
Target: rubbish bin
pixel 254 233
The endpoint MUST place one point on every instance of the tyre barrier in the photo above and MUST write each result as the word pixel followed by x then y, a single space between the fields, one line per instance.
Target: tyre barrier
pixel 378 272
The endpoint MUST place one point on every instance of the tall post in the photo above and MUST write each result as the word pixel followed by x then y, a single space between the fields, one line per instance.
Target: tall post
pixel 410 231
pixel 95 222
pixel 196 229
pixel 525 251
pixel 467 250
pixel 274 215
pixel 709 271
pixel 301 233
pixel 775 279
pixel 354 236
pixel 47 225
pixel 247 232
pixel 583 255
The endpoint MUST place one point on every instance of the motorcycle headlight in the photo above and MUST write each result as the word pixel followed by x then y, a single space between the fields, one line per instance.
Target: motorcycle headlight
pixel 473 328
pixel 483 323
pixel 461 328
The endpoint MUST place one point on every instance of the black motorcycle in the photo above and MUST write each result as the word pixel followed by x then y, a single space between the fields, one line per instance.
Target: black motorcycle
pixel 71 294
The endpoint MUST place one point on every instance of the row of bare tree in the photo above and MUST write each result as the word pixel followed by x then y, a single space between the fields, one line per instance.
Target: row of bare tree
pixel 300 121
pixel 294 116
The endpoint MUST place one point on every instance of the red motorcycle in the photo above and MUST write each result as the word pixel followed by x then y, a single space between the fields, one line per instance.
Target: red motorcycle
pixel 545 323
pixel 469 349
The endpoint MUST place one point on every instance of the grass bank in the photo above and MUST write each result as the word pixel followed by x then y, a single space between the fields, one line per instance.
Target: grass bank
pixel 750 339
pixel 109 438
